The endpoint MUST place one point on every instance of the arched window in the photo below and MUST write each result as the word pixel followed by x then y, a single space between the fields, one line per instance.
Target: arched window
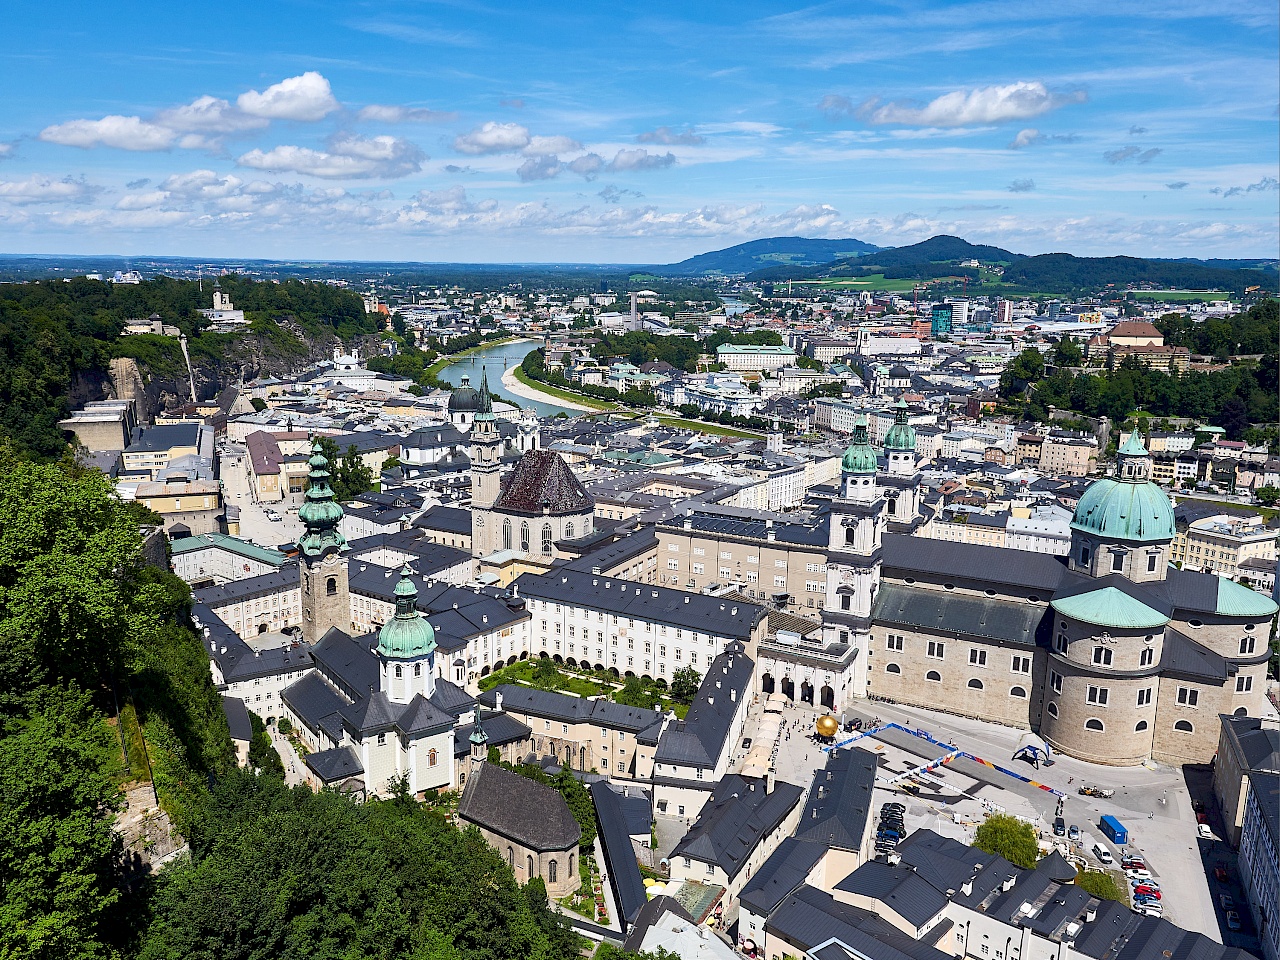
pixel 892 506
pixel 1140 726
pixel 506 533
pixel 1241 712
pixel 546 539
pixel 551 872
pixel 849 534
pixel 975 684
pixel 417 669
pixel 892 668
pixel 1053 709
pixel 331 586
pixel 529 869
pixel 511 857
pixel 568 530
pixel 571 864
pixel 399 671
pixel 433 757
pixel 933 675
pixel 1017 692
pixel 1184 726
pixel 1093 723
pixel 524 535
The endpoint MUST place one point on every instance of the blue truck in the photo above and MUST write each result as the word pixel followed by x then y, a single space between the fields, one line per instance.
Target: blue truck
pixel 1114 829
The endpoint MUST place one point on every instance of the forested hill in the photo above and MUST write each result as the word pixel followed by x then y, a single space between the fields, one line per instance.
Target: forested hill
pixel 1056 273
pixel 55 333
pixel 756 254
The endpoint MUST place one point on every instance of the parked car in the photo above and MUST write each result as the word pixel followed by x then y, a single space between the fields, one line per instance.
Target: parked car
pixel 1059 827
pixel 1150 910
pixel 1153 884
pixel 1228 902
pixel 1220 873
pixel 1233 920
pixel 1146 893
pixel 1202 818
pixel 1103 854
pixel 1138 874
pixel 1204 831
pixel 1073 832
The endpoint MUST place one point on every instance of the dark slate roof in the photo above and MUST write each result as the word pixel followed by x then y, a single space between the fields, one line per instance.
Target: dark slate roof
pixel 948 863
pixel 449 519
pixel 316 704
pixel 542 480
pixel 649 914
pixel 371 714
pixel 1190 590
pixel 1183 657
pixel 500 728
pixel 519 809
pixel 994 619
pixel 274 582
pixel 737 817
pixel 840 800
pixel 1259 746
pixel 625 598
pixel 420 717
pixel 628 884
pixel 810 917
pixel 451 698
pixel 780 875
pixel 616 552
pixel 568 708
pixel 700 738
pixel 972 561
pixel 429 557
pixel 898 887
pixel 333 766
pixel 164 436
pixel 237 719
pixel 349 664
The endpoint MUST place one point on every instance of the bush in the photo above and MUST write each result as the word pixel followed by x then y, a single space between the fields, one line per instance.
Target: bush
pixel 1101 885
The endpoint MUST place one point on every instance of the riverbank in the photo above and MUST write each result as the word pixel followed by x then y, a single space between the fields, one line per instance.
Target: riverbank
pixel 517 384
pixel 452 358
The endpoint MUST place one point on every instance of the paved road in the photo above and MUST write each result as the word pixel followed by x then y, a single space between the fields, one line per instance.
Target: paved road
pixel 254 525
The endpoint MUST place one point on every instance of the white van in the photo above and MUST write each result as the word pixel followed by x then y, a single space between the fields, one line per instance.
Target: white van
pixel 1103 855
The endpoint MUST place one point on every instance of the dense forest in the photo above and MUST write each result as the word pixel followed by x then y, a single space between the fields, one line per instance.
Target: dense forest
pixel 104 683
pixel 1237 398
pixel 53 331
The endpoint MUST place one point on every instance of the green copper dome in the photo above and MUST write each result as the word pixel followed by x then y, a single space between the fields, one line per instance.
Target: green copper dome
pixel 901 436
pixel 860 457
pixel 321 514
pixel 407 635
pixel 1127 506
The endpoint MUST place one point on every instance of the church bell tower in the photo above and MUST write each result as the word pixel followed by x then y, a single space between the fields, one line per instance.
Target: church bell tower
pixel 326 594
pixel 486 469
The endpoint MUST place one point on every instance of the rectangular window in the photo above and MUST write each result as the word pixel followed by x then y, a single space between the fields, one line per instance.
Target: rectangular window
pixel 1246 645
pixel 753 559
pixel 697 568
pixel 1117 562
pixel 977 658
pixel 673 564
pixel 1144 697
pixel 893 642
pixel 1151 562
pixel 726 555
pixel 1244 684
pixel 1188 697
pixel 699 552
pixel 725 573
pixel 1055 681
pixel 780 564
pixel 1147 658
pixel 1097 696
pixel 1102 655
pixel 779 581
pixel 937 649
pixel 1021 664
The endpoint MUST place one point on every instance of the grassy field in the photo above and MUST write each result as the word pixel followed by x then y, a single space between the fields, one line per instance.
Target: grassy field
pixel 556 393
pixel 680 423
pixel 874 281
pixel 1182 295
pixel 1267 513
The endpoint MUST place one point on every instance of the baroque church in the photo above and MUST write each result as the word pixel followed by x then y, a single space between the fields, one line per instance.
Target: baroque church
pixel 1112 654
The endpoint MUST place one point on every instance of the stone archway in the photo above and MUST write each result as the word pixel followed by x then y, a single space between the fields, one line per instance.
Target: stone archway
pixel 766 683
pixel 789 688
pixel 828 697
pixel 806 692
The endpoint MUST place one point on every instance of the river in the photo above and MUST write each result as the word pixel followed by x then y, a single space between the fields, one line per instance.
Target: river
pixel 499 359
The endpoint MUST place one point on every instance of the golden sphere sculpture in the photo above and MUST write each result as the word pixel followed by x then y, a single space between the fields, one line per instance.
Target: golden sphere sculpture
pixel 827 725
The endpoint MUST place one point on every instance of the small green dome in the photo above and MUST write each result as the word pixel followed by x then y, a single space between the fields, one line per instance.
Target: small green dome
pixel 901 436
pixel 1127 506
pixel 860 457
pixel 407 635
pixel 321 513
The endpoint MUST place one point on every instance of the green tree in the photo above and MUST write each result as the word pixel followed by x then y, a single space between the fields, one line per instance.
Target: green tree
pixel 684 684
pixel 1267 496
pixel 57 846
pixel 258 403
pixel 262 752
pixel 348 475
pixel 1101 885
pixel 580 804
pixel 1025 369
pixel 545 674
pixel 1067 353
pixel 1008 837
pixel 635 693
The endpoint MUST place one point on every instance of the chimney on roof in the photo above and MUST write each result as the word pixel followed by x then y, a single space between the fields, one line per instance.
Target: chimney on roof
pixel 497 700
pixel 222 649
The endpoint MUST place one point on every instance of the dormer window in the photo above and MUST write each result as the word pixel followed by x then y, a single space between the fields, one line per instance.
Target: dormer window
pixel 1084 554
pixel 1117 562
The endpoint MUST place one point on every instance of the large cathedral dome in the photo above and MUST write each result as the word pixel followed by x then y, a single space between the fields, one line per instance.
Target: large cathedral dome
pixel 1127 506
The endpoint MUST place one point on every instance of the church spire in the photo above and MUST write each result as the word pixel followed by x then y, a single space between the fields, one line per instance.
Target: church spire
pixel 485 401
pixel 321 513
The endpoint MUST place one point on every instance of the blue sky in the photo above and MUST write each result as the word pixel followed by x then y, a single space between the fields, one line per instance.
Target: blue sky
pixel 626 132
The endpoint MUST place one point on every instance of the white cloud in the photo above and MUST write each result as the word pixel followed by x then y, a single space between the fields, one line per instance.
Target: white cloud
pixel 493 137
pixel 348 157
pixel 306 97
pixel 668 137
pixel 545 146
pixel 1262 186
pixel 587 166
pixel 1137 154
pixel 382 113
pixel 1026 138
pixel 539 168
pixel 836 105
pixel 1024 185
pixel 38 189
pixel 995 104
pixel 6 149
pixel 201 185
pixel 208 115
pixel 142 201
pixel 124 133
pixel 641 160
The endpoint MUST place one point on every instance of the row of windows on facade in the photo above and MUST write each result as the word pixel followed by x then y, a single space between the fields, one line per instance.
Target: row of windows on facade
pixel 1187 696
pixel 1097 726
pixel 613 642
pixel 552 869
pixel 780 563
pixel 1117 559
pixel 525 532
